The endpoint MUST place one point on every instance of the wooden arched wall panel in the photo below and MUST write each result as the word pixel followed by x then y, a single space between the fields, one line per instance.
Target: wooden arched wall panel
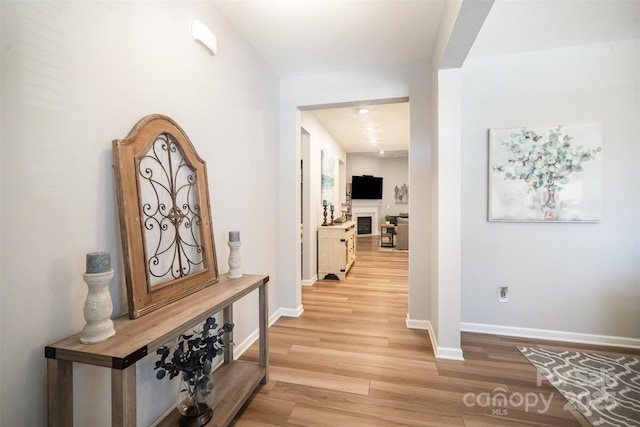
pixel 165 215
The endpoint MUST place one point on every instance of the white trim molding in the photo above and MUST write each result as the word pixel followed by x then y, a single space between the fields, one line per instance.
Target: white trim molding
pixel 310 282
pixel 551 335
pixel 291 312
pixel 424 325
pixel 447 353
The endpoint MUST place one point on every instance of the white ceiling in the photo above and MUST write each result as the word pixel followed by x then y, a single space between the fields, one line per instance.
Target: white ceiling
pixel 385 127
pixel 515 26
pixel 315 36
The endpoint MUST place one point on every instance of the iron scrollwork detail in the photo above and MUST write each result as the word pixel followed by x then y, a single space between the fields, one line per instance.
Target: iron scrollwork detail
pixel 171 212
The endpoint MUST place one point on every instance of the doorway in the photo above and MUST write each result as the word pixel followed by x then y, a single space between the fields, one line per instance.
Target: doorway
pixel 307 265
pixel 383 136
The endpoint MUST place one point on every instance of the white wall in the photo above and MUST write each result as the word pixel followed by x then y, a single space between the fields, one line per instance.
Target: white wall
pixel 438 301
pixel 394 171
pixel 580 278
pixel 320 140
pixel 330 88
pixel 75 76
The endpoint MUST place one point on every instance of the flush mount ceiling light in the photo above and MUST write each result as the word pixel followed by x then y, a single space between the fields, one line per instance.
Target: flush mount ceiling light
pixel 204 37
pixel 363 111
pixel 372 140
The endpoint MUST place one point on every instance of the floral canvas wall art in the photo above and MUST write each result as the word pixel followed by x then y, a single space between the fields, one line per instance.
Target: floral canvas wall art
pixel 551 174
pixel 326 176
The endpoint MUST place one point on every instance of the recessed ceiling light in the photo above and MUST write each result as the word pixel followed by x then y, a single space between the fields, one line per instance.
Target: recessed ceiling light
pixel 363 111
pixel 381 152
pixel 369 128
pixel 373 140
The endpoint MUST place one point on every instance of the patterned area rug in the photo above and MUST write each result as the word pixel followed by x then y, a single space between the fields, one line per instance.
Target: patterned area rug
pixel 605 389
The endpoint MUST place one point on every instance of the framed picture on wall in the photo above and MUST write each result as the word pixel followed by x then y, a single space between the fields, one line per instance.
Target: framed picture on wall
pixel 546 174
pixel 326 176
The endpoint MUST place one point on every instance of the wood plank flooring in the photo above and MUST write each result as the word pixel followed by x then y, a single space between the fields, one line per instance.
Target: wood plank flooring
pixel 349 360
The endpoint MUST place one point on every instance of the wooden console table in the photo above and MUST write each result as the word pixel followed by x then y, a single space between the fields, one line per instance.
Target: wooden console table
pixel 234 380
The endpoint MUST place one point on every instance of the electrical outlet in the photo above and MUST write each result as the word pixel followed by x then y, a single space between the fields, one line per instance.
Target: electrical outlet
pixel 503 294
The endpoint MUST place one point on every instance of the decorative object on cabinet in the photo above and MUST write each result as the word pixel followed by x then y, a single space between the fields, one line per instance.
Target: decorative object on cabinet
pixel 545 174
pixel 336 250
pixel 192 359
pixel 324 213
pixel 234 255
pixel 165 219
pixel 235 380
pixel 98 305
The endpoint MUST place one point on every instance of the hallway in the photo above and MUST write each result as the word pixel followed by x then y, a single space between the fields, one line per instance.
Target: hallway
pixel 349 360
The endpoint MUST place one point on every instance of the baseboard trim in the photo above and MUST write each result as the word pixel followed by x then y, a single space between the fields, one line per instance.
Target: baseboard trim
pixel 311 281
pixel 447 353
pixel 291 312
pixel 424 325
pixel 239 349
pixel 274 317
pixel 551 335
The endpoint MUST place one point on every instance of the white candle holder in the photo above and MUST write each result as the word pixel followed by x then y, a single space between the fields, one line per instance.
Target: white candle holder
pixel 234 260
pixel 98 308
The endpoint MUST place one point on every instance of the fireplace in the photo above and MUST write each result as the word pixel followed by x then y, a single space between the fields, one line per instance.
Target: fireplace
pixel 364 225
pixel 366 210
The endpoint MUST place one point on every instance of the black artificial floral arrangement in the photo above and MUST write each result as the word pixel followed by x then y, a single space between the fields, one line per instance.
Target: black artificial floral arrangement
pixel 192 357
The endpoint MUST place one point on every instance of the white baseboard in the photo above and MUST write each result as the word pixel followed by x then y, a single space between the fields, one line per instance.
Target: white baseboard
pixel 311 281
pixel 448 353
pixel 240 348
pixel 291 312
pixel 551 335
pixel 424 325
pixel 274 318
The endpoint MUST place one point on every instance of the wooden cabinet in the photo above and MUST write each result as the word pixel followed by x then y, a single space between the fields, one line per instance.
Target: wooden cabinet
pixel 235 380
pixel 336 249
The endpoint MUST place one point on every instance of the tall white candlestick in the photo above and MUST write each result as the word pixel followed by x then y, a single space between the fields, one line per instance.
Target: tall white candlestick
pixel 98 308
pixel 234 260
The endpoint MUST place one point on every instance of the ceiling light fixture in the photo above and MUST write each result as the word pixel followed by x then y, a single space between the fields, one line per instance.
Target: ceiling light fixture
pixel 381 152
pixel 363 111
pixel 373 140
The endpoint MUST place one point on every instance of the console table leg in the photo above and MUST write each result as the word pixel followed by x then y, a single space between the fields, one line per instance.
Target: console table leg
pixel 123 397
pixel 263 302
pixel 227 317
pixel 59 393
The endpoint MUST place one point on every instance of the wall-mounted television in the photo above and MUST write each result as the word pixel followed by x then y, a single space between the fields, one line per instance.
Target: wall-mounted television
pixel 366 187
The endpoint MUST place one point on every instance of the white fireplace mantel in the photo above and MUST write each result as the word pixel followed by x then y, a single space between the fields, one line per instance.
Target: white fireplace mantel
pixel 368 210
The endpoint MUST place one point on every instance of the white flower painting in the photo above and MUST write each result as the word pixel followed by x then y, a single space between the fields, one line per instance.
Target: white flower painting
pixel 545 174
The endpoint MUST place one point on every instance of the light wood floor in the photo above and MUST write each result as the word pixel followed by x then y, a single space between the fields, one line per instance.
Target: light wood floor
pixel 349 360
